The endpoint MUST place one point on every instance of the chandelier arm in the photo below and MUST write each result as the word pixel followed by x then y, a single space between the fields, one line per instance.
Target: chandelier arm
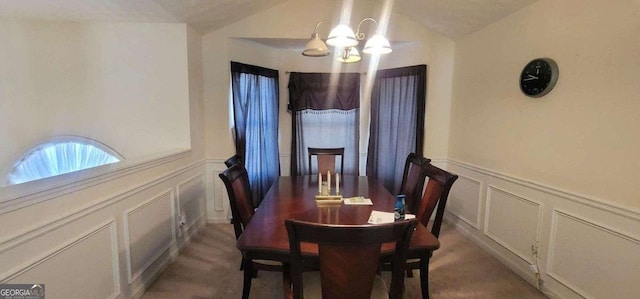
pixel 318 25
pixel 361 35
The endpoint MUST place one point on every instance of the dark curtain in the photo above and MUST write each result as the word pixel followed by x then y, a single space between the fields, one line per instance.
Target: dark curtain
pixel 255 115
pixel 398 100
pixel 325 111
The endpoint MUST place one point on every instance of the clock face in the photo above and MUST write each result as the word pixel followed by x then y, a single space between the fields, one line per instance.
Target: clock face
pixel 538 77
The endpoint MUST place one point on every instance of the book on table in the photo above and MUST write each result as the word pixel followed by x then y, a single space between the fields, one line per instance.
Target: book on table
pixel 357 200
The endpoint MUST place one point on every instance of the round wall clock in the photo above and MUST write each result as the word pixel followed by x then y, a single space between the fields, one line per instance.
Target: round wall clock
pixel 539 77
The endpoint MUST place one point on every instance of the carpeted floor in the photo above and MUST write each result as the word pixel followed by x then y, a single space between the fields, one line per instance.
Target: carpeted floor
pixel 209 268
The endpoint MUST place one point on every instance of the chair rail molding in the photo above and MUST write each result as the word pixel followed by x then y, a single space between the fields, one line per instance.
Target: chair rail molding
pixel 621 210
pixel 26 194
pixel 73 215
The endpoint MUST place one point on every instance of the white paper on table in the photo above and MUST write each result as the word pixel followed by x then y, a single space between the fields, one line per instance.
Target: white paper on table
pixel 378 217
pixel 358 200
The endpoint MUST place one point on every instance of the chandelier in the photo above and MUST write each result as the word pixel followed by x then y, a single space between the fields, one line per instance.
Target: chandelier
pixel 343 39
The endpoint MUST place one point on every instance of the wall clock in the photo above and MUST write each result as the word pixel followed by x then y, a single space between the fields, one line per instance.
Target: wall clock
pixel 539 77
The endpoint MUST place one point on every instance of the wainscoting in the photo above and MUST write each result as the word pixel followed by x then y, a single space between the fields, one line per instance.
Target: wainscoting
pixel 107 236
pixel 581 247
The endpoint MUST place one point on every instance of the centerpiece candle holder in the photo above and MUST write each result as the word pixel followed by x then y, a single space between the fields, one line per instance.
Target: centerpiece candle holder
pixel 324 194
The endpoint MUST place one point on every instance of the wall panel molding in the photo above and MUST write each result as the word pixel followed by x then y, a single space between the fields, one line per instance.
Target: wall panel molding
pixel 133 274
pixel 511 226
pixel 50 255
pixel 466 186
pixel 582 251
pixel 199 181
pixel 217 202
pixel 219 187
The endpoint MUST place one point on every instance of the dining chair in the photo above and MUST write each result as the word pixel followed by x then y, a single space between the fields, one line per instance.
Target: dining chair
pixel 326 159
pixel 436 193
pixel 413 180
pixel 439 185
pixel 236 181
pixel 235 159
pixel 348 257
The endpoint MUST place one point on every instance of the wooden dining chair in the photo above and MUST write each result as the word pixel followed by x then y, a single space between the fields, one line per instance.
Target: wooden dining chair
pixel 326 159
pixel 413 180
pixel 235 159
pixel 436 193
pixel 236 181
pixel 439 185
pixel 348 256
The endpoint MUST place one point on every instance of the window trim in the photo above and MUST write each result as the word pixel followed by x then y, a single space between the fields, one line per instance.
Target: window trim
pixel 52 142
pixel 18 196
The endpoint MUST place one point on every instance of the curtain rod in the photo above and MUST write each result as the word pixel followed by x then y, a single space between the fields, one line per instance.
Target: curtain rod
pixel 363 73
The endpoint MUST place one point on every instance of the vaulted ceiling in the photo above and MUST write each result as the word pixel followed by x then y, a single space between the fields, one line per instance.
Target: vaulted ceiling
pixel 452 18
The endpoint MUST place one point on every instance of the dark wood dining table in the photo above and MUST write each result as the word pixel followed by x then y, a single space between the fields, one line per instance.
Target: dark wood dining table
pixel 265 237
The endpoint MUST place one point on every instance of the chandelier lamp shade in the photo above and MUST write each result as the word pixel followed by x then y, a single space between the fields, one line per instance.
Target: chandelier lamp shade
pixel 377 44
pixel 349 55
pixel 315 46
pixel 343 38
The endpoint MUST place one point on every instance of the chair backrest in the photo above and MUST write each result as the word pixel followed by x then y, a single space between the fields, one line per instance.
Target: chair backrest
pixel 236 180
pixel 235 159
pixel 437 191
pixel 349 256
pixel 326 159
pixel 413 180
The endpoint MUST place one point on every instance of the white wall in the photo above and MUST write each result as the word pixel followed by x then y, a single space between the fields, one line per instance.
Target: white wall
pixel 109 231
pixel 122 84
pixel 557 172
pixel 585 122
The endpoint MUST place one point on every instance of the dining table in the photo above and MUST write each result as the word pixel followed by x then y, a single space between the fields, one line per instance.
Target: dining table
pixel 294 197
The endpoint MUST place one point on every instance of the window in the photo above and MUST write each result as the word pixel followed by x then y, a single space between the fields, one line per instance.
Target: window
pixel 62 155
pixel 398 100
pixel 255 115
pixel 325 114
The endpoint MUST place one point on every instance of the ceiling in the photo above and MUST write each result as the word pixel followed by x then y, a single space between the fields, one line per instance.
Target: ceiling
pixel 452 18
